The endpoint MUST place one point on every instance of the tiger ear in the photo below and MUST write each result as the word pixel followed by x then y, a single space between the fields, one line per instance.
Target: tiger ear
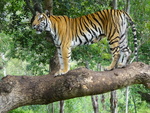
pixel 47 13
pixel 37 12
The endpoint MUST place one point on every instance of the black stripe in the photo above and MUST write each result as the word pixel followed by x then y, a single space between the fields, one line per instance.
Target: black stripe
pixel 123 48
pixel 100 17
pixel 93 15
pixel 65 19
pixel 109 37
pixel 54 17
pixel 54 28
pixel 99 30
pixel 106 18
pixel 93 33
pixel 46 23
pixel 80 40
pixel 82 33
pixel 134 29
pixel 116 50
pixel 76 26
pixel 81 30
pixel 86 26
pixel 90 22
pixel 111 40
pixel 113 15
pixel 112 49
pixel 81 24
pixel 59 17
pixel 110 30
pixel 122 37
pixel 102 14
pixel 68 56
pixel 111 43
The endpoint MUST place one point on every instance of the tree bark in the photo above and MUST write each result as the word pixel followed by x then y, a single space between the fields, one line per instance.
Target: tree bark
pixel 103 102
pixel 16 91
pixel 127 8
pixel 95 103
pixel 61 106
pixel 49 6
pixel 114 4
pixel 113 101
pixel 113 97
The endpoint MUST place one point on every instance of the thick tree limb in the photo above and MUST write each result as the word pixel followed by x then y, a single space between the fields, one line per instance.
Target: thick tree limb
pixel 18 91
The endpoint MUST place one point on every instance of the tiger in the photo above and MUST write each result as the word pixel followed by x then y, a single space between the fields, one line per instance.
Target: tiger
pixel 68 33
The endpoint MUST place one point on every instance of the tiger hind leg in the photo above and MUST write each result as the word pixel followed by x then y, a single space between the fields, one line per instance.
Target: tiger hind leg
pixel 124 57
pixel 115 59
pixel 125 52
pixel 115 50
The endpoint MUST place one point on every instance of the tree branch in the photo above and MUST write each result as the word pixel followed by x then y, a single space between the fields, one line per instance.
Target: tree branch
pixel 16 91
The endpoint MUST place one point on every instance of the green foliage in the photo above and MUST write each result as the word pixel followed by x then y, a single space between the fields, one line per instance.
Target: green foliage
pixel 97 53
pixel 75 8
pixel 30 109
pixel 142 20
pixel 78 105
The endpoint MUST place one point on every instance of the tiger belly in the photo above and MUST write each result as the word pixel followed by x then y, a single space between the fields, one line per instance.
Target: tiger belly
pixel 84 40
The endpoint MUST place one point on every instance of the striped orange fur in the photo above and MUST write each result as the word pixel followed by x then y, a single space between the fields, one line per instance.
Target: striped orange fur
pixel 71 32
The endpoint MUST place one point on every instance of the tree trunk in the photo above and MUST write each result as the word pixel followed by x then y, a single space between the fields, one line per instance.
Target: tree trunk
pixel 93 98
pixel 3 60
pixel 61 107
pixel 113 101
pixel 50 108
pixel 127 98
pixel 16 91
pixel 95 103
pixel 127 9
pixel 113 98
pixel 135 111
pixel 103 101
pixel 114 4
pixel 37 6
pixel 102 95
pixel 49 6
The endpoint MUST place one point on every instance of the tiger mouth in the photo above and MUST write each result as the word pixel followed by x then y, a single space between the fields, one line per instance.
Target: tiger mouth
pixel 38 31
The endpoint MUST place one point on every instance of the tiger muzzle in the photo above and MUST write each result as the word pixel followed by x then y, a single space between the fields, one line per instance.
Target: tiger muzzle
pixel 37 28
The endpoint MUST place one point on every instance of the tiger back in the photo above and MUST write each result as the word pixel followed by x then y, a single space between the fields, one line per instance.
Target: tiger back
pixel 71 32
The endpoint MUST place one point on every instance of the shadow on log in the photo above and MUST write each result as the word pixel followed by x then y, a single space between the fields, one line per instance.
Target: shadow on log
pixel 16 91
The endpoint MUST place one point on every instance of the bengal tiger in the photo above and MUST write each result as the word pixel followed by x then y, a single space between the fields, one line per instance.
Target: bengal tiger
pixel 71 32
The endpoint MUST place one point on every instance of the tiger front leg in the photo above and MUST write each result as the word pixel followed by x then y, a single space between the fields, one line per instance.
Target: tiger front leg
pixel 64 55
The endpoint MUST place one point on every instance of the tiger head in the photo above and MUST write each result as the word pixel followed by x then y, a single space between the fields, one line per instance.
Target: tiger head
pixel 40 22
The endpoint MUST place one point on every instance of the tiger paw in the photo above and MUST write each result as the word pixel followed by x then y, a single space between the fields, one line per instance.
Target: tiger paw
pixel 121 65
pixel 60 72
pixel 108 68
